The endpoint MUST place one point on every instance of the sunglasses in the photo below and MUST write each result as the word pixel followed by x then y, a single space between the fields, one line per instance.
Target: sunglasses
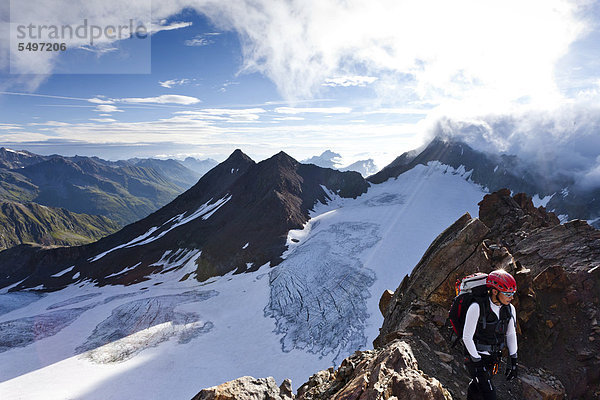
pixel 508 294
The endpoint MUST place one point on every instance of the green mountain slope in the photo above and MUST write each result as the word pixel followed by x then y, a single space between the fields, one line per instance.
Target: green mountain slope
pixel 122 191
pixel 34 223
pixel 56 200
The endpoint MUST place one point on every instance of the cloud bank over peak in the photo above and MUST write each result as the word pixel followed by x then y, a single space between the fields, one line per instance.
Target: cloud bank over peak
pixel 562 141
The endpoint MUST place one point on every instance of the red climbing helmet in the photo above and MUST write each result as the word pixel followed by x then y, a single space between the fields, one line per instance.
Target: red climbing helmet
pixel 502 281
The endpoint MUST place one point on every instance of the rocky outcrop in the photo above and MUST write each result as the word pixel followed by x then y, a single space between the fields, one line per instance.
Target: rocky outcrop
pixel 556 267
pixel 248 388
pixel 388 373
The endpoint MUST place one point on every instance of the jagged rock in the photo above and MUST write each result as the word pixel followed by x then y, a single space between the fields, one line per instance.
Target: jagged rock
pixel 247 388
pixel 511 218
pixel 454 252
pixel 391 372
pixel 553 278
pixel 537 388
pixel 384 301
pixel 285 389
pixel 444 356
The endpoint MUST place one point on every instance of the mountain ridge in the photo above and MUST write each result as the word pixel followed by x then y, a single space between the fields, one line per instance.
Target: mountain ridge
pixel 82 189
pixel 498 171
pixel 257 204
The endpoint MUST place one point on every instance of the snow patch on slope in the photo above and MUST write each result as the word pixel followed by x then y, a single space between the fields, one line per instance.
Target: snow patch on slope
pixel 537 201
pixel 205 211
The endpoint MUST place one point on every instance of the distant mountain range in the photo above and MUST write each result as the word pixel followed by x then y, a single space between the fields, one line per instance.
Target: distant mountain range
pixel 199 166
pixel 257 205
pixel 329 159
pixel 76 191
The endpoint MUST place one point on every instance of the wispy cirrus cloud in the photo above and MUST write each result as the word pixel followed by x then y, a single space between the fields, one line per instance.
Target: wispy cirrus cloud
pixel 103 119
pixel 163 26
pixel 163 99
pixel 350 80
pixel 222 114
pixel 174 82
pixel 107 108
pixel 203 39
pixel 98 100
pixel 313 110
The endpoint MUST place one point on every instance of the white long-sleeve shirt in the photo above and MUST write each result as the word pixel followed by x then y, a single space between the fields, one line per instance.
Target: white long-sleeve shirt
pixel 471 325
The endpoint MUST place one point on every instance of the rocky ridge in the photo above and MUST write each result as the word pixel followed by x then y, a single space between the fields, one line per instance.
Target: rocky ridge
pixel 558 294
pixel 556 267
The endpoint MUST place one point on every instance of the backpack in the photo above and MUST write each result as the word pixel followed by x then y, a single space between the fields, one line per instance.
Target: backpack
pixel 468 290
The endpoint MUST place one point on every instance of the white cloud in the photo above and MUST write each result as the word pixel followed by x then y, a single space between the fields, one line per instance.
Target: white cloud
pixel 223 88
pixel 288 119
pixel 173 82
pixel 321 110
pixel 202 39
pixel 49 123
pixel 163 99
pixel 107 108
pixel 99 49
pixel 431 50
pixel 103 119
pixel 436 50
pixel 9 127
pixel 162 26
pixel 197 41
pixel 351 80
pixel 399 110
pixel 97 100
pixel 185 131
pixel 222 114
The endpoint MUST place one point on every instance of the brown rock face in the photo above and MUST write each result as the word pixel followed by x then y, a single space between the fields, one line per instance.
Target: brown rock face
pixel 247 388
pixel 558 277
pixel 388 373
pixel 457 251
pixel 542 388
pixel 509 218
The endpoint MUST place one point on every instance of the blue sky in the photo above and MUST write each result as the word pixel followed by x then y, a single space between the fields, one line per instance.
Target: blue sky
pixel 365 79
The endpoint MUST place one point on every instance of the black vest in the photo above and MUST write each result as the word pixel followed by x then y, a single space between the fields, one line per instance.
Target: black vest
pixel 490 334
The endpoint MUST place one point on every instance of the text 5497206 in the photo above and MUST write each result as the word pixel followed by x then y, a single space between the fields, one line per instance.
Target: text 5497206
pixel 42 46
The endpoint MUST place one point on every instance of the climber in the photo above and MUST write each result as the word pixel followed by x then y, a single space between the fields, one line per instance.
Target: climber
pixel 487 331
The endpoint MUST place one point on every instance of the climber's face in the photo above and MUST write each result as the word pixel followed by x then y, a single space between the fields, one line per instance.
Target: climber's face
pixel 505 298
